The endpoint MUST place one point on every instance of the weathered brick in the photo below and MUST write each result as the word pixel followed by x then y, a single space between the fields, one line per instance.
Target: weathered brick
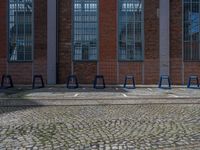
pixel 114 71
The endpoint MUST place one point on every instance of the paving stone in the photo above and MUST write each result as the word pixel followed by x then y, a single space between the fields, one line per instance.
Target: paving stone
pixel 150 126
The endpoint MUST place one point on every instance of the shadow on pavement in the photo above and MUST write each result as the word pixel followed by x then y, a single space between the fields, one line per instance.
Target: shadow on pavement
pixel 22 92
pixel 9 104
pixel 14 99
pixel 9 109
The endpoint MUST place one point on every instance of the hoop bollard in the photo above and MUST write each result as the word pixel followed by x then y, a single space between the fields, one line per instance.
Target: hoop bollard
pixel 35 77
pixel 97 79
pixel 193 78
pixel 5 78
pixel 72 82
pixel 131 78
pixel 165 77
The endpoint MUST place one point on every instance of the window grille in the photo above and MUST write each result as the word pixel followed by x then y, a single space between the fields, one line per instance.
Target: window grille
pixel 85 29
pixel 20 22
pixel 191 28
pixel 130 30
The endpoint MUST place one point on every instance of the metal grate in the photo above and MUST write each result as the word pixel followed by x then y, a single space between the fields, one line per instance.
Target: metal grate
pixel 191 28
pixel 20 23
pixel 85 29
pixel 130 30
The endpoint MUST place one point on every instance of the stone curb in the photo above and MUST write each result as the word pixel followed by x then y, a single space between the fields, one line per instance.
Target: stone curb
pixel 82 102
pixel 139 97
pixel 120 98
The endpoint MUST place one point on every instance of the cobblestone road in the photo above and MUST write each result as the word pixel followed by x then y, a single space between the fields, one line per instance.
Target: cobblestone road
pixel 153 126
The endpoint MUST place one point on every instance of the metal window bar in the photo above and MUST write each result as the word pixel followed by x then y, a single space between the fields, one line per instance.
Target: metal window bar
pixel 20 31
pixel 24 31
pixel 128 27
pixel 191 29
pixel 85 29
pixel 199 32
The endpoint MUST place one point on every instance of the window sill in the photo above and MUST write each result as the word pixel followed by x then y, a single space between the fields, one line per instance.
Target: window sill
pixel 9 61
pixel 191 60
pixel 85 61
pixel 131 60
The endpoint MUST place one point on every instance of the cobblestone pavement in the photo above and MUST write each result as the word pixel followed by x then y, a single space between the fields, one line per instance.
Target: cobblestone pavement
pixel 106 127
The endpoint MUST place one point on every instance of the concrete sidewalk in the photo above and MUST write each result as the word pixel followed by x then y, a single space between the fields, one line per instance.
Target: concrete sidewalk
pixel 59 95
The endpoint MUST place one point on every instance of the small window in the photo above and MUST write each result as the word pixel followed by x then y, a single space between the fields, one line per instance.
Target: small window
pixel 85 29
pixel 130 30
pixel 191 28
pixel 20 23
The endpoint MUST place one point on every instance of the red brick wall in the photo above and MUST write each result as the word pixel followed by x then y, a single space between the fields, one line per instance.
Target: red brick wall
pixel 190 67
pixel 40 56
pixel 149 68
pixel 107 40
pixel 64 37
pixel 176 41
pixel 21 72
pixel 3 36
pixel 130 68
pixel 85 71
pixel 151 35
pixel 108 46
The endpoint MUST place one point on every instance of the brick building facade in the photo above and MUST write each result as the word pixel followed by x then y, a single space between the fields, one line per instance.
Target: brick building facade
pixel 114 70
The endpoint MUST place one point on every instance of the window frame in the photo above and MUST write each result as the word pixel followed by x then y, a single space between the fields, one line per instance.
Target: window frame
pixel 32 35
pixel 183 34
pixel 72 36
pixel 142 34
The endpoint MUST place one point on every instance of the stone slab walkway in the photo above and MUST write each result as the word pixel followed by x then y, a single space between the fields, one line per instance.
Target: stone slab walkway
pixel 88 96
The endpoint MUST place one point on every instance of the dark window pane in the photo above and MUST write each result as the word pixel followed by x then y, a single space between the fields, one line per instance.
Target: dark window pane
pixel 130 30
pixel 191 28
pixel 20 30
pixel 85 29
